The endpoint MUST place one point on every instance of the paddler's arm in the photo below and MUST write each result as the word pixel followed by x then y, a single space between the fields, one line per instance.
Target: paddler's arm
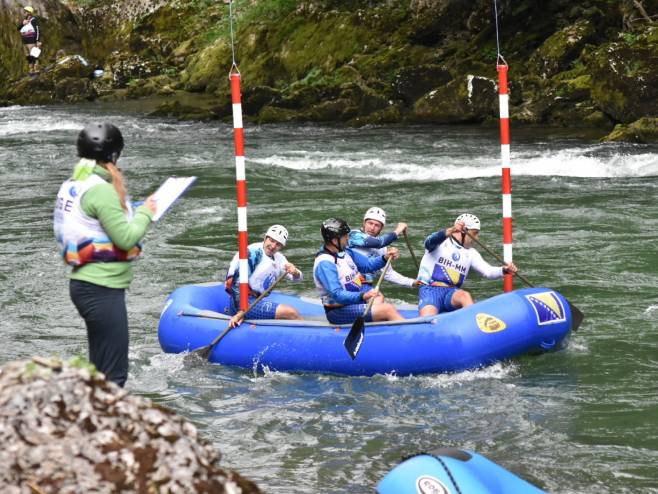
pixel 487 270
pixel 327 274
pixel 366 264
pixel 435 239
pixel 358 238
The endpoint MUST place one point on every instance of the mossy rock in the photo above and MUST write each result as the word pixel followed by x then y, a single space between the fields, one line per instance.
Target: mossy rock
pixel 625 79
pixel 274 114
pixel 205 70
pixel 74 90
pixel 432 21
pixel 578 89
pixel 255 98
pixel 126 68
pixel 66 82
pixel 560 49
pixel 393 113
pixel 410 83
pixel 644 130
pixel 468 99
pixel 188 106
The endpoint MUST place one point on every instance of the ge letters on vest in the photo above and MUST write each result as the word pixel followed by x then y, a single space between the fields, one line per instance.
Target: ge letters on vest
pixel 81 238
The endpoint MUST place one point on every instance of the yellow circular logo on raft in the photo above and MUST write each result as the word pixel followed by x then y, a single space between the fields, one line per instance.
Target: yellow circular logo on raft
pixel 488 323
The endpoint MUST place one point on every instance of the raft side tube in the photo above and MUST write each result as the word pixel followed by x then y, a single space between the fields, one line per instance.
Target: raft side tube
pixel 451 470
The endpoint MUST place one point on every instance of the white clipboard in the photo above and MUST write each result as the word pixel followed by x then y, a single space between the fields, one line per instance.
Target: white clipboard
pixel 170 190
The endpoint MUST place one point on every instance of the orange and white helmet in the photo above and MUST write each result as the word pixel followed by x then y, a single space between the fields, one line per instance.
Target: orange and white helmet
pixel 278 233
pixel 471 221
pixel 377 214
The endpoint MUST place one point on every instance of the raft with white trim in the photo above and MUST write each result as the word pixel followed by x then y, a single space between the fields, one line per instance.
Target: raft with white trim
pixel 451 470
pixel 532 320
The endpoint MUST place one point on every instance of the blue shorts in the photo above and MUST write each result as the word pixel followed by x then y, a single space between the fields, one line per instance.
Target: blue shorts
pixel 438 296
pixel 347 314
pixel 266 309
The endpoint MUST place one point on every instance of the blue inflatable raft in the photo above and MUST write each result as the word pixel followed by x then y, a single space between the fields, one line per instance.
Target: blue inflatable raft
pixel 451 471
pixel 533 320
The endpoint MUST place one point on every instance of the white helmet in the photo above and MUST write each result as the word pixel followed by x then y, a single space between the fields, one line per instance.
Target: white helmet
pixel 377 214
pixel 278 233
pixel 471 221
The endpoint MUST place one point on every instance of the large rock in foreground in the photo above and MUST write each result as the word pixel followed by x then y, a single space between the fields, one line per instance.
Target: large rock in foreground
pixel 65 429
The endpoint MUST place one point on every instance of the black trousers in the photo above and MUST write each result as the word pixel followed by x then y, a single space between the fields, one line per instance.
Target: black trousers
pixel 106 317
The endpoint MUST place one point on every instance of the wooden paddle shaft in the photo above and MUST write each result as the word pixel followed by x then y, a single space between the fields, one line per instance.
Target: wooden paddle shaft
pixel 379 282
pixel 205 351
pixel 498 258
pixel 411 251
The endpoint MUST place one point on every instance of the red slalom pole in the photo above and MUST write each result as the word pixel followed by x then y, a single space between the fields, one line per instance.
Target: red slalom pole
pixel 503 98
pixel 241 186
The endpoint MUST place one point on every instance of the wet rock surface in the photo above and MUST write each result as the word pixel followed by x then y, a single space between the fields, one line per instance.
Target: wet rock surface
pixel 65 429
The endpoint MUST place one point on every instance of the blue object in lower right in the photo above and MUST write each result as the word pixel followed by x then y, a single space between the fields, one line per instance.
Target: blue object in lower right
pixel 452 471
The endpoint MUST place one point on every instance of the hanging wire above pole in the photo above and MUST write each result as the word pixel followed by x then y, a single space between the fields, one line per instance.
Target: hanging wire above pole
pixel 497 36
pixel 230 17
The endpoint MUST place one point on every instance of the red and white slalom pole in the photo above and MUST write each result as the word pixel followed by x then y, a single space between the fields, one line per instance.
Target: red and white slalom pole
pixel 241 185
pixel 508 284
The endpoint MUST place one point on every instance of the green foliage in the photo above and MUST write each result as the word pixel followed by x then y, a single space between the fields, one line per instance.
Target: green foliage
pixel 80 362
pixel 264 10
pixel 489 53
pixel 630 38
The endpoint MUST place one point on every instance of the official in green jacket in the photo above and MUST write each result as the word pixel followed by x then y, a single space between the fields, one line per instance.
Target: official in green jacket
pixel 99 234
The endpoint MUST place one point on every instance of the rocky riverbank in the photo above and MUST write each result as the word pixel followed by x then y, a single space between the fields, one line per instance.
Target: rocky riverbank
pixel 64 428
pixel 589 64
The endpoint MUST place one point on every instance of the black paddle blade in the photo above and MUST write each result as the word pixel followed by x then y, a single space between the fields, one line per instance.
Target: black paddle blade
pixel 576 317
pixel 354 338
pixel 204 352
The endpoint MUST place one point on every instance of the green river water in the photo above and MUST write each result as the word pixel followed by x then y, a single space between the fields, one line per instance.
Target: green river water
pixel 582 420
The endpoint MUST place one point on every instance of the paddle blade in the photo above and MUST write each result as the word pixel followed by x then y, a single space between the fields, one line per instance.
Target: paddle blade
pixel 354 338
pixel 204 352
pixel 576 317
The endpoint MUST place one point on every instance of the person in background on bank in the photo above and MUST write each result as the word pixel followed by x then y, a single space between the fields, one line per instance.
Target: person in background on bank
pixel 31 37
pixel 367 241
pixel 99 235
pixel 337 275
pixel 266 264
pixel 449 255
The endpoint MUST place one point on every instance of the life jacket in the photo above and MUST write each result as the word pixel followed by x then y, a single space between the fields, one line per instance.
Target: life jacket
pixel 447 265
pixel 81 238
pixel 348 275
pixel 264 270
pixel 28 32
pixel 368 278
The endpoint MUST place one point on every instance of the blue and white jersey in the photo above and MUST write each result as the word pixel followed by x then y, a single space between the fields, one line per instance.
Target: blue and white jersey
pixel 447 263
pixel 263 269
pixel 371 246
pixel 337 276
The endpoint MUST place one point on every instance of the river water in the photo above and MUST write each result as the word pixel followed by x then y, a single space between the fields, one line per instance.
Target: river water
pixel 582 420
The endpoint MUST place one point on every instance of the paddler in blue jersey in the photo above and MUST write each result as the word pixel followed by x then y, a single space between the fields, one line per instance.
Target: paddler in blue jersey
pixel 449 255
pixel 266 264
pixel 337 275
pixel 367 241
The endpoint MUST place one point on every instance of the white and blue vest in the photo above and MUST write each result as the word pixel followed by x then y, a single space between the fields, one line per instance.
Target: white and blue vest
pixel 81 238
